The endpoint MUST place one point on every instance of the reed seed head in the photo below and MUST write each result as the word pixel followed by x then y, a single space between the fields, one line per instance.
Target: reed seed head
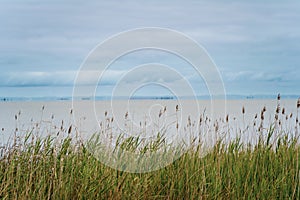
pixel 61 127
pixel 177 108
pixel 160 113
pixel 298 103
pixel 278 97
pixel 243 110
pixel 216 125
pixel 200 120
pixel 283 111
pixel 70 129
pixel 278 109
pixel 262 117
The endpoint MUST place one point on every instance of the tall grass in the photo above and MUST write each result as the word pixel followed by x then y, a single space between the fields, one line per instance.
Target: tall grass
pixel 48 168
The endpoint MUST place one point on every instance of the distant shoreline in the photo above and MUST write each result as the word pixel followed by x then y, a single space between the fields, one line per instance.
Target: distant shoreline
pixel 104 98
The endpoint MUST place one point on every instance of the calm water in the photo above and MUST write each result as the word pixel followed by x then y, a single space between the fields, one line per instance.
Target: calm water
pixel 88 114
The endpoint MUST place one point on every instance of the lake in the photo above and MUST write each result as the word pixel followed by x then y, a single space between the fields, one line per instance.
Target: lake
pixel 20 116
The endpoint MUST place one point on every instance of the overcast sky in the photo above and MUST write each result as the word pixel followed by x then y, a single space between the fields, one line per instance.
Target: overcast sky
pixel 255 45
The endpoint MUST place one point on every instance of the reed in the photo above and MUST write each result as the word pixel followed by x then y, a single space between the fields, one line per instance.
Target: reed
pixel 59 166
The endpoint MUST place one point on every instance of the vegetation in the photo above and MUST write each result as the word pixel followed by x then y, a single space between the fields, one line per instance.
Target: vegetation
pixel 45 168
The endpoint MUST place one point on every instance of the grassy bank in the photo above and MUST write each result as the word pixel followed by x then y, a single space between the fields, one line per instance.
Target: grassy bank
pixel 42 168
pixel 43 172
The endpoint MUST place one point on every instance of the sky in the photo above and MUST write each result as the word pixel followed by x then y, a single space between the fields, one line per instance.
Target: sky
pixel 254 44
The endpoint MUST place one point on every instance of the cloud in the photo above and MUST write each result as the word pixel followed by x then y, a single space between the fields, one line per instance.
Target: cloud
pixel 35 78
pixel 68 78
pixel 263 76
pixel 240 36
pixel 56 78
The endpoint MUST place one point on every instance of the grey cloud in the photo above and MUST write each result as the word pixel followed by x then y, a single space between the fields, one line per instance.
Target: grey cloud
pixel 270 76
pixel 58 35
pixel 58 78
